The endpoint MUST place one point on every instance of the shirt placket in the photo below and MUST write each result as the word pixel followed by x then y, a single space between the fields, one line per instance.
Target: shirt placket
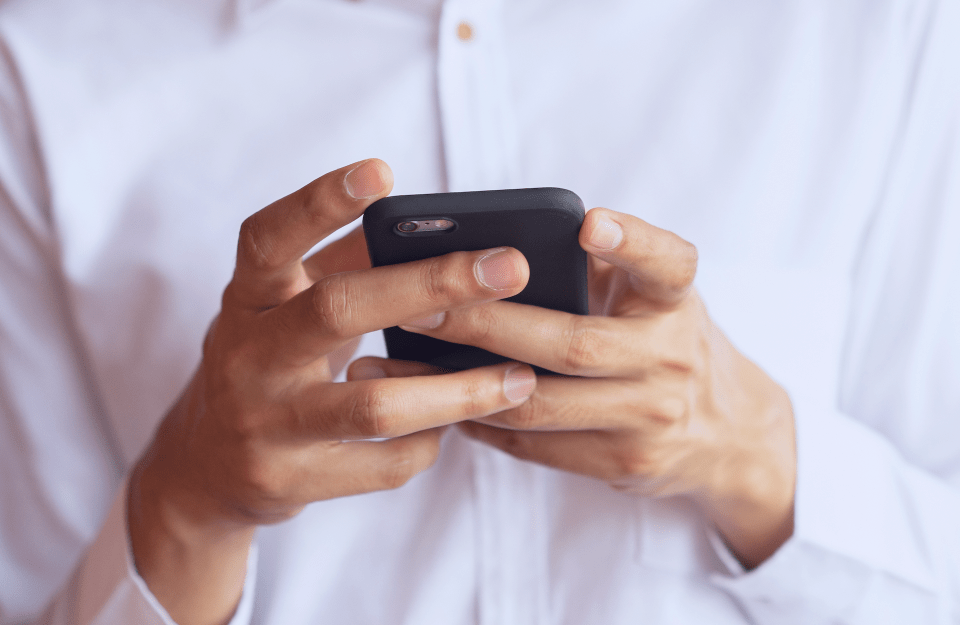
pixel 511 540
pixel 477 116
pixel 481 152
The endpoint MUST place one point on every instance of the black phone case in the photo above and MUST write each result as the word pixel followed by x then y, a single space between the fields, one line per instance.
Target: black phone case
pixel 542 223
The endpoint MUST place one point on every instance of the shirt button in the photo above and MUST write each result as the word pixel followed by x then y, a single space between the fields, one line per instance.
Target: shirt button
pixel 464 31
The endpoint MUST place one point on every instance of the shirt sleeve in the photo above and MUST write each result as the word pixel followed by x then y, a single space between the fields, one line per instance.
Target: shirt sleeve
pixel 64 554
pixel 876 538
pixel 105 589
pixel 877 518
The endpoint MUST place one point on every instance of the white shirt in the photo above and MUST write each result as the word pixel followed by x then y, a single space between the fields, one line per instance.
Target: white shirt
pixel 811 150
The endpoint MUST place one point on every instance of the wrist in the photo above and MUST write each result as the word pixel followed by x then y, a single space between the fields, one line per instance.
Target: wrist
pixel 161 512
pixel 752 501
pixel 192 559
pixel 754 529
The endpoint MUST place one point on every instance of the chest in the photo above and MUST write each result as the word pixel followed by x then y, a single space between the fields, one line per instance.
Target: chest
pixel 733 129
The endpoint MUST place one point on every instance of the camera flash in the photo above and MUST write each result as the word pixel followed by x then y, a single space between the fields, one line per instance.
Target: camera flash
pixel 426 225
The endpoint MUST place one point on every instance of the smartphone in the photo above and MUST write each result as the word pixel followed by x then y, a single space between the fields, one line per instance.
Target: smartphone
pixel 543 224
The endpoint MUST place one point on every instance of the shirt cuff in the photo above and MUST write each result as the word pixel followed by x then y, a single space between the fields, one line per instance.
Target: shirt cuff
pixel 106 588
pixel 872 534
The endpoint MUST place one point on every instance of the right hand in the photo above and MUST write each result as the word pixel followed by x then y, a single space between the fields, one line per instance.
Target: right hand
pixel 259 431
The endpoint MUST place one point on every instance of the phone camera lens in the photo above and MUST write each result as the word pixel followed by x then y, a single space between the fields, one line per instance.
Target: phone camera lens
pixel 407 226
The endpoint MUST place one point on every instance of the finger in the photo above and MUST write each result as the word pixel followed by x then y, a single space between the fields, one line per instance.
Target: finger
pixel 373 368
pixel 390 407
pixel 346 305
pixel 327 471
pixel 661 264
pixel 557 341
pixel 603 455
pixel 587 453
pixel 274 240
pixel 647 407
pixel 346 254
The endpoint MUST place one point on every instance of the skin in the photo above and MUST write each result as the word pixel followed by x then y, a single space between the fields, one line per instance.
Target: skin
pixel 259 431
pixel 664 404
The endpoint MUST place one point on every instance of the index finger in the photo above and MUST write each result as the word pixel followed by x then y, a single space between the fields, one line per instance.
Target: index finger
pixel 345 305
pixel 274 240
pixel 661 265
pixel 373 405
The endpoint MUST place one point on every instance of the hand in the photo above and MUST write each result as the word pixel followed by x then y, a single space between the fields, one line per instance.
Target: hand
pixel 665 405
pixel 259 431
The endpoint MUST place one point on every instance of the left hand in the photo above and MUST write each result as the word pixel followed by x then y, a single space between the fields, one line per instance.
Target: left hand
pixel 664 404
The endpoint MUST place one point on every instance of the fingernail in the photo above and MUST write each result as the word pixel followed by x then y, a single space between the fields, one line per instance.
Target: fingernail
pixel 518 383
pixel 426 323
pixel 606 235
pixel 363 181
pixel 497 270
pixel 367 371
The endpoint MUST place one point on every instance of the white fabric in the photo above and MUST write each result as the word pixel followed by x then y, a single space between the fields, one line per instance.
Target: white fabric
pixel 811 150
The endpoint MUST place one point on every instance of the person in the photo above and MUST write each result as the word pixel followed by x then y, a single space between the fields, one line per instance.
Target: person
pixel 762 420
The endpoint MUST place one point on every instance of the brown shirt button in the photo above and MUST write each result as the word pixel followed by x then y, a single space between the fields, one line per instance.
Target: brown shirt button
pixel 464 31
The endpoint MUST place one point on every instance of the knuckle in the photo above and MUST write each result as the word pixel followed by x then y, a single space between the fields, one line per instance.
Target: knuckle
pixel 400 469
pixel 679 367
pixel 231 375
pixel 265 478
pixel 582 348
pixel 332 306
pixel 669 411
pixel 529 416
pixel 374 412
pixel 310 202
pixel 636 464
pixel 480 325
pixel 476 398
pixel 396 475
pixel 678 356
pixel 253 245
pixel 440 280
pixel 248 428
pixel 235 367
